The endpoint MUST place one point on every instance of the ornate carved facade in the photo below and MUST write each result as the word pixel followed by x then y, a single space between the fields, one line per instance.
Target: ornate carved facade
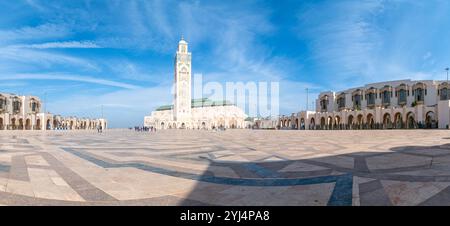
pixel 188 113
pixel 25 113
pixel 403 104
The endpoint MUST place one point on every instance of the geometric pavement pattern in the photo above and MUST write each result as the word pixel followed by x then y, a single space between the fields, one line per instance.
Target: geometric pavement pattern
pixel 233 167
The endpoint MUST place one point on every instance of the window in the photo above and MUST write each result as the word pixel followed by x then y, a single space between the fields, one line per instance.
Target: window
pixel 357 101
pixel 370 99
pixel 419 94
pixel 16 106
pixel 386 97
pixel 341 102
pixel 33 106
pixel 324 104
pixel 402 96
pixel 444 93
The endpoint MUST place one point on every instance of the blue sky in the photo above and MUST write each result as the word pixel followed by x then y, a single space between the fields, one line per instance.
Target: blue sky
pixel 79 55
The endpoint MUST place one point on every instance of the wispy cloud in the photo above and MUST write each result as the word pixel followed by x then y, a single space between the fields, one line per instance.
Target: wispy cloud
pixel 38 58
pixel 62 45
pixel 68 77
pixel 40 32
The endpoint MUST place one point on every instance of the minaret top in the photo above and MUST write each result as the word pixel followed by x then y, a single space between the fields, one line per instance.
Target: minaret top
pixel 182 41
pixel 182 46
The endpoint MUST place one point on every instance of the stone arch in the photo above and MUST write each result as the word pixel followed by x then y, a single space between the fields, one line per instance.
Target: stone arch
pixel 387 121
pixel 302 123
pixel 162 125
pixel 232 123
pixel 13 123
pixel 359 121
pixel 329 122
pixel 312 123
pixel 297 123
pixel 322 123
pixel 370 122
pixel 38 124
pixel 430 120
pixel 20 126
pixel 1 124
pixel 350 122
pixel 337 121
pixel 398 120
pixel 411 121
pixel 28 124
pixel 48 125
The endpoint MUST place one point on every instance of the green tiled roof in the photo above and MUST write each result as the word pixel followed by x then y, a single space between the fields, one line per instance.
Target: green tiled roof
pixel 164 107
pixel 196 103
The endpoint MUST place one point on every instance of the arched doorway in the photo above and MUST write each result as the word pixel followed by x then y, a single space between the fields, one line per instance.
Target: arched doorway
pixel 49 124
pixel 13 124
pixel 359 121
pixel 370 122
pixel 350 122
pixel 430 120
pixel 55 124
pixel 162 125
pixel 232 123
pixel 322 123
pixel 410 121
pixel 203 125
pixel 330 122
pixel 387 122
pixel 312 124
pixel 302 123
pixel 38 124
pixel 337 122
pixel 1 124
pixel 297 125
pixel 28 124
pixel 20 124
pixel 398 121
pixel 183 126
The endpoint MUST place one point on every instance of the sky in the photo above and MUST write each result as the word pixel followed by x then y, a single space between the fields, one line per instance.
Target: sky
pixel 80 55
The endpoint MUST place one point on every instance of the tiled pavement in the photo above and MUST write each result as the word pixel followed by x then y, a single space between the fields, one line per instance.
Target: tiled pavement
pixel 233 167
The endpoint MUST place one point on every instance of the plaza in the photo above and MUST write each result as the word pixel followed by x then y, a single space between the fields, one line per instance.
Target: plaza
pixel 232 167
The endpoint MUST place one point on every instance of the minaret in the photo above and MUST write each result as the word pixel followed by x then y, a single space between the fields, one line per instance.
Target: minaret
pixel 182 83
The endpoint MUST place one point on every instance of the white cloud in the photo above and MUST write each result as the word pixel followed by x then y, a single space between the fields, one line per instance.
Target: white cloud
pixel 63 45
pixel 67 77
pixel 40 58
pixel 43 31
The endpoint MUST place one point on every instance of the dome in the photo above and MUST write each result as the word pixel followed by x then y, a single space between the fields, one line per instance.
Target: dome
pixel 182 41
